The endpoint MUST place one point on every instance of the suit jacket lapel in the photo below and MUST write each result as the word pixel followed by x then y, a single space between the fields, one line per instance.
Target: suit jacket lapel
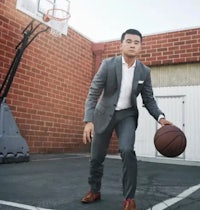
pixel 118 70
pixel 136 76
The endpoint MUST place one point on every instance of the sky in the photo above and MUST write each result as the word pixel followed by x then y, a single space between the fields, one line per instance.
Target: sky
pixel 106 20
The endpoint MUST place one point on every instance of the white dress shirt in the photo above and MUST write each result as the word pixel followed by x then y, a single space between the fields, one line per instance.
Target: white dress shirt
pixel 124 100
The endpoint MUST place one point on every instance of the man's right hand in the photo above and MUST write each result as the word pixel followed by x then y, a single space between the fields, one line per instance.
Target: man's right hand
pixel 88 132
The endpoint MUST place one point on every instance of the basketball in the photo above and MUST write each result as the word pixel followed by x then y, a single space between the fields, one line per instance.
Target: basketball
pixel 170 141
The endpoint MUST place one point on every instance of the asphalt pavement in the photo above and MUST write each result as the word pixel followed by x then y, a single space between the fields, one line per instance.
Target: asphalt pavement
pixel 58 181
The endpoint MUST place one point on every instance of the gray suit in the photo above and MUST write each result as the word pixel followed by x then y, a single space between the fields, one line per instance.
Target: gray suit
pixel 100 109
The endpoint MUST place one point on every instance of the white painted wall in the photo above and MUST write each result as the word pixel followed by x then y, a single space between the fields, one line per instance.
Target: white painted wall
pixel 181 105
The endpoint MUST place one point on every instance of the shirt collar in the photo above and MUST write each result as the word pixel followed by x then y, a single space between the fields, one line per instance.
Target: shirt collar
pixel 124 62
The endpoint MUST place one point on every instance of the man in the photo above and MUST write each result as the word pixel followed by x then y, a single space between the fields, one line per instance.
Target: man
pixel 111 104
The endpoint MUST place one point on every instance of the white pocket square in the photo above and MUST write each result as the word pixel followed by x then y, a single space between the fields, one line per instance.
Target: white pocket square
pixel 140 82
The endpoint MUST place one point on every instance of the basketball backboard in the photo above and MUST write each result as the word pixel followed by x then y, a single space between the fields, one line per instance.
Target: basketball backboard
pixel 37 9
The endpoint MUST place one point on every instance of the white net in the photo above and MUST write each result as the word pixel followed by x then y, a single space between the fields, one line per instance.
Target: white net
pixel 60 26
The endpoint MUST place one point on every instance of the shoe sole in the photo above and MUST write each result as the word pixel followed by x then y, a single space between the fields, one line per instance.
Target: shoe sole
pixel 96 200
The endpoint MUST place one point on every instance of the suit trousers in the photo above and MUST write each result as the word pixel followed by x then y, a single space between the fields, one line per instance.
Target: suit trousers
pixel 124 122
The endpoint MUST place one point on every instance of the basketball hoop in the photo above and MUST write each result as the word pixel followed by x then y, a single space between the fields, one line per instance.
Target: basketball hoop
pixel 52 13
pixel 58 17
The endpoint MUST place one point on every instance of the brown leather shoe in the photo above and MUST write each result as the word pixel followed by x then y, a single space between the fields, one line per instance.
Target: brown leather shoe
pixel 91 197
pixel 129 204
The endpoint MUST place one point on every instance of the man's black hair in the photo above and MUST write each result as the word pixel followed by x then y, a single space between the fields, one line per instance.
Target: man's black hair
pixel 131 31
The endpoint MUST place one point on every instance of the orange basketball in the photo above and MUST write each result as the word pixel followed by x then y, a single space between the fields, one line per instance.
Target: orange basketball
pixel 170 141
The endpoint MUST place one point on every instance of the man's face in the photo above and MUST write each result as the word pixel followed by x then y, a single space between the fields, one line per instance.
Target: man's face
pixel 131 45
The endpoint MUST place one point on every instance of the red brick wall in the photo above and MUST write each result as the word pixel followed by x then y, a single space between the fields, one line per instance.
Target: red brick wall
pixel 49 90
pixel 166 48
pixel 48 93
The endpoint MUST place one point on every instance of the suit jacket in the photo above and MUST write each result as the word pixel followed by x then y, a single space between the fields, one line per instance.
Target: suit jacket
pixel 105 88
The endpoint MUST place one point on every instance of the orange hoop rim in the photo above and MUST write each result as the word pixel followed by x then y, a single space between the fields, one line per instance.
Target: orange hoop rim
pixel 49 17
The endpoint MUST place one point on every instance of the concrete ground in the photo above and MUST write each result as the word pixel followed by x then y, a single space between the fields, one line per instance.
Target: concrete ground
pixel 58 181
